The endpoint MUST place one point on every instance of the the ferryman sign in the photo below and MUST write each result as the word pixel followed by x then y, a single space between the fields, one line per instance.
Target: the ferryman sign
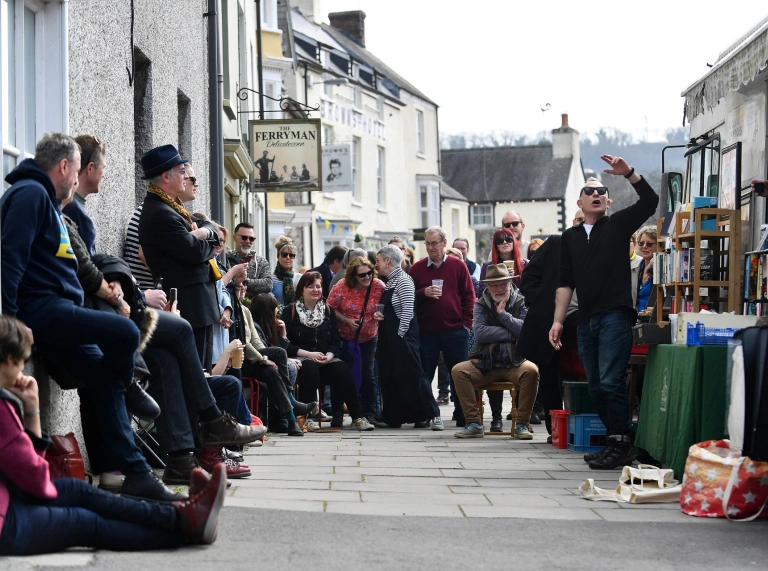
pixel 286 155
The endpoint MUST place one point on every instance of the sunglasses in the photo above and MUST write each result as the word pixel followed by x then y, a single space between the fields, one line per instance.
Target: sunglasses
pixel 249 238
pixel 578 219
pixel 645 244
pixel 287 255
pixel 516 223
pixel 364 275
pixel 590 190
pixel 193 180
pixel 505 240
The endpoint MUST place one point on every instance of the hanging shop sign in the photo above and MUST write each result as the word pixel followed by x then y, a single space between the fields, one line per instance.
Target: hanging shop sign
pixel 337 163
pixel 286 155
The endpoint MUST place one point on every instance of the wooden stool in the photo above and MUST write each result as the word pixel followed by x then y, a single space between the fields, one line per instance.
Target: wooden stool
pixel 498 387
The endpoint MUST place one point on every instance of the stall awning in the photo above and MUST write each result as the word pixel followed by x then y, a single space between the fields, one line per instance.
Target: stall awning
pixel 737 65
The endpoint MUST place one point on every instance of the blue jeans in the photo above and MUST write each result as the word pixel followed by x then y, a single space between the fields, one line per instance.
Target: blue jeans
pixel 84 516
pixel 605 345
pixel 455 348
pixel 98 349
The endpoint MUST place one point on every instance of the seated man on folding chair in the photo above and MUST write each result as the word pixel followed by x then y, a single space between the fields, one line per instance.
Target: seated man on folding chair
pixel 497 321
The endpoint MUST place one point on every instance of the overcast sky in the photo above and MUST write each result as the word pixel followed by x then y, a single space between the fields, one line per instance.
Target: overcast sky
pixel 492 64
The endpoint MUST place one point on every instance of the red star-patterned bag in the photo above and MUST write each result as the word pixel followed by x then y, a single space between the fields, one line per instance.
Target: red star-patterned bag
pixel 720 482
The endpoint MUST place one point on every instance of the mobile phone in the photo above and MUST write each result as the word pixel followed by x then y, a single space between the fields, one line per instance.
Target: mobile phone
pixel 159 283
pixel 760 188
pixel 173 296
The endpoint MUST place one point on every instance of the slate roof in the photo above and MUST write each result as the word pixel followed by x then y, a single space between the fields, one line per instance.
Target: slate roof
pixel 506 174
pixel 447 191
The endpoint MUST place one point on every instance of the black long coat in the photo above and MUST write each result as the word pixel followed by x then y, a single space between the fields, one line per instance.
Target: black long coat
pixel 174 254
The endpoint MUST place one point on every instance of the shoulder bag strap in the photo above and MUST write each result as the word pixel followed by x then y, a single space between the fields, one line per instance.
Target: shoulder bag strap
pixel 362 313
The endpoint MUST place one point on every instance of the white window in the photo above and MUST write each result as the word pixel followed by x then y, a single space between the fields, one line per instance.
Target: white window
pixel 420 132
pixel 380 108
pixel 327 87
pixel 268 14
pixel 429 204
pixel 327 135
pixel 480 215
pixel 358 97
pixel 356 194
pixel 380 177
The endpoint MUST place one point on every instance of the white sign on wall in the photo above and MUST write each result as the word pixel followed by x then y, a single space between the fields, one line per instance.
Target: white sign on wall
pixel 337 168
pixel 286 155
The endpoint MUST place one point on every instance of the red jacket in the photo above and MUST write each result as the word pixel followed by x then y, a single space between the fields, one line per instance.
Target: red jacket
pixel 22 463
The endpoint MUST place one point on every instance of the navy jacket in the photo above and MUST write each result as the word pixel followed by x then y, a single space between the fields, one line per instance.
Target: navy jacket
pixel 37 258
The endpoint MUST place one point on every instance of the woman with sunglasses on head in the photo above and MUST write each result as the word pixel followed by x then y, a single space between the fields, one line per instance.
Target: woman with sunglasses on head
pixel 354 299
pixel 646 246
pixel 505 247
pixel 284 279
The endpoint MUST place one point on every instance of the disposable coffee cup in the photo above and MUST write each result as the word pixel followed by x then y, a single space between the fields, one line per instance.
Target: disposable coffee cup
pixel 438 283
pixel 510 266
pixel 237 358
pixel 380 308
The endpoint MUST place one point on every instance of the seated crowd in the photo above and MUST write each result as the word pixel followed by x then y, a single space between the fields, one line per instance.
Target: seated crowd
pixel 193 322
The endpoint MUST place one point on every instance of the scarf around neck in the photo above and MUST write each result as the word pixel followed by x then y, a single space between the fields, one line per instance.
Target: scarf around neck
pixel 312 318
pixel 286 276
pixel 159 192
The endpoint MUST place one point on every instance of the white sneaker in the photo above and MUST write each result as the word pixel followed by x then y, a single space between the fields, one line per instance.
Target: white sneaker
pixel 362 424
pixel 311 425
pixel 437 423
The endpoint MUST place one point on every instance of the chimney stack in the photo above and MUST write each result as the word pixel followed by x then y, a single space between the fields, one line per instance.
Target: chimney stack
pixel 565 119
pixel 352 23
pixel 565 141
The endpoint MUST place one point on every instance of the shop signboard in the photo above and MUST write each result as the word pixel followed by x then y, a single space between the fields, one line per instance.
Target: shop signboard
pixel 286 155
pixel 337 160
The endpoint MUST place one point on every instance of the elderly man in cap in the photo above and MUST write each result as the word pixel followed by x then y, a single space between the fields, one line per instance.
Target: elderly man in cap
pixel 176 250
pixel 497 321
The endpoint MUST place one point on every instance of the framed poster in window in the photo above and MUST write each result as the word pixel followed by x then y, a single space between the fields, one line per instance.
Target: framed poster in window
pixel 286 155
pixel 729 195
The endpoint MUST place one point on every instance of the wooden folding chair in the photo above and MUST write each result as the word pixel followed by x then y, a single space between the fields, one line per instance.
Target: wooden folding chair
pixel 501 386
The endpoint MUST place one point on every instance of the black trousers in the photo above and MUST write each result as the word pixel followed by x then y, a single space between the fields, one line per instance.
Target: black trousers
pixel 277 390
pixel 336 375
pixel 204 344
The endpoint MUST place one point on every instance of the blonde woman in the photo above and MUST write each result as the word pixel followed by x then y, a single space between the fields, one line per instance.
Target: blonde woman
pixel 284 279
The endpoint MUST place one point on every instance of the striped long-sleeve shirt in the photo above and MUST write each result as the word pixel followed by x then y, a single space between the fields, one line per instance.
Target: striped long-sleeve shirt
pixel 131 252
pixel 403 298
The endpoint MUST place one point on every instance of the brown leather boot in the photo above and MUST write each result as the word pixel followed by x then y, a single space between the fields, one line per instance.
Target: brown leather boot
pixel 212 457
pixel 226 431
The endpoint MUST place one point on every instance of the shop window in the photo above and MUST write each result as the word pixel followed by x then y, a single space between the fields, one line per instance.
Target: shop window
pixel 480 215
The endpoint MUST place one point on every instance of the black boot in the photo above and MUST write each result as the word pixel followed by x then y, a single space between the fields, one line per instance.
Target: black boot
pixel 338 420
pixel 496 425
pixel 147 486
pixel 294 429
pixel 140 403
pixel 179 468
pixel 225 430
pixel 617 454
pixel 301 409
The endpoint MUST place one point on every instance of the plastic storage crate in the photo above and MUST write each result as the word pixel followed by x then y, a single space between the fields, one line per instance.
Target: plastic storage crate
pixel 586 433
pixel 576 398
pixel 701 335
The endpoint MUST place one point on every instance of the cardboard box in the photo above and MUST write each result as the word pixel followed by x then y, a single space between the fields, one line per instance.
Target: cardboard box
pixel 711 320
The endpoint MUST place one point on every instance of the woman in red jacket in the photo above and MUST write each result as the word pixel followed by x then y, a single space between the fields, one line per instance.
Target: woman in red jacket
pixel 38 515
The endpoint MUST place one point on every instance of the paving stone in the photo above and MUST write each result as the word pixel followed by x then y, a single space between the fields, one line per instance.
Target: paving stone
pixel 65 559
pixel 522 500
pixel 298 475
pixel 501 474
pixel 261 469
pixel 293 505
pixel 367 486
pixel 547 492
pixel 531 512
pixel 420 472
pixel 296 494
pixel 434 510
pixel 407 481
pixel 426 498
pixel 285 484
pixel 646 515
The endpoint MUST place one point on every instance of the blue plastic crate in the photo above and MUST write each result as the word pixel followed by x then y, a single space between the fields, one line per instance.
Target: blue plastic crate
pixel 700 335
pixel 586 433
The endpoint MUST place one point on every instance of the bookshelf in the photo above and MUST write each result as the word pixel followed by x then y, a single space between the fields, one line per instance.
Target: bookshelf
pixel 679 271
pixel 755 292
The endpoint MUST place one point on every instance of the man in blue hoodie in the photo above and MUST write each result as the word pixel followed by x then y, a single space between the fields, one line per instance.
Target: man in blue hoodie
pixel 40 287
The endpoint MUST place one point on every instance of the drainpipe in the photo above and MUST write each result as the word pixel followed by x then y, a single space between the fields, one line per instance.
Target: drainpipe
pixel 215 84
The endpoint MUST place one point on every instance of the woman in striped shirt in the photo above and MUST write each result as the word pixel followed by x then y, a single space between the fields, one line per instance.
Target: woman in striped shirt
pixel 406 392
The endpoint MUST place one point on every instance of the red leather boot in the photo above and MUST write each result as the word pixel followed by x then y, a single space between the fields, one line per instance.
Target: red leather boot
pixel 210 457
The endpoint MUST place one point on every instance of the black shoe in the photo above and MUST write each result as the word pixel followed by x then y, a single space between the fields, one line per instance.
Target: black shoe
pixel 294 429
pixel 454 415
pixel 589 456
pixel 338 420
pixel 225 431
pixel 496 425
pixel 617 454
pixel 281 427
pixel 422 424
pixel 302 409
pixel 535 418
pixel 147 486
pixel 140 403
pixel 509 416
pixel 381 424
pixel 179 468
pixel 374 420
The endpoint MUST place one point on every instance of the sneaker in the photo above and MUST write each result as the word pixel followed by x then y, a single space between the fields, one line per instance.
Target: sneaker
pixel 522 432
pixel 362 424
pixel 437 424
pixel 311 425
pixel 443 399
pixel 471 430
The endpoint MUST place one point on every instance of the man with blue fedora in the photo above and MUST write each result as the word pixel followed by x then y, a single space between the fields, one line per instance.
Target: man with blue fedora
pixel 176 249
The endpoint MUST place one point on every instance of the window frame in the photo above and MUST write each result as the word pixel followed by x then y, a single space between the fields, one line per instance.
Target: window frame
pixel 381 177
pixel 474 215
pixel 356 150
pixel 419 131
pixel 429 213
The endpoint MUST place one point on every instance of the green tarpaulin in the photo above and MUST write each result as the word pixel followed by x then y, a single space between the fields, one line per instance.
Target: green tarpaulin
pixel 683 401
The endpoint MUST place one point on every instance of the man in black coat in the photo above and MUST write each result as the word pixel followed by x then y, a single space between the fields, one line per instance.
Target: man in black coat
pixel 177 250
pixel 332 263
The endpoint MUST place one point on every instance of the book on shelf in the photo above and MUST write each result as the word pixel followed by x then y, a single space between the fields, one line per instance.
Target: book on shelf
pixel 755 276
pixel 679 266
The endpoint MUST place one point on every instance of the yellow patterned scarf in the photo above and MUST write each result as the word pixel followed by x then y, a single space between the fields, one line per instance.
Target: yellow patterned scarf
pixel 157 191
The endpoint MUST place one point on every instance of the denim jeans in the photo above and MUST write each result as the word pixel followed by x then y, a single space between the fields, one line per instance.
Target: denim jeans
pixel 98 349
pixel 454 346
pixel 84 516
pixel 605 345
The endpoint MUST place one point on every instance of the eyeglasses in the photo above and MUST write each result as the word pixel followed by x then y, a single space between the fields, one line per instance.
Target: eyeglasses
pixel 287 255
pixel 364 275
pixel 578 219
pixel 590 190
pixel 504 240
pixel 514 223
pixel 433 244
pixel 249 238
pixel 193 180
pixel 645 244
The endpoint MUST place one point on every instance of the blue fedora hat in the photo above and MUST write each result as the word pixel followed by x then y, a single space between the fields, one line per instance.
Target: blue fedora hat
pixel 159 160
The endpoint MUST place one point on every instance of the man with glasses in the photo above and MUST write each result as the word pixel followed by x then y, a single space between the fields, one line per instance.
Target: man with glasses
pixel 462 245
pixel 578 218
pixel 513 221
pixel 593 260
pixel 445 302
pixel 259 278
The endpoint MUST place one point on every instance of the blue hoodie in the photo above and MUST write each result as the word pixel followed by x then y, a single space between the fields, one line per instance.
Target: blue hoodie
pixel 37 258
